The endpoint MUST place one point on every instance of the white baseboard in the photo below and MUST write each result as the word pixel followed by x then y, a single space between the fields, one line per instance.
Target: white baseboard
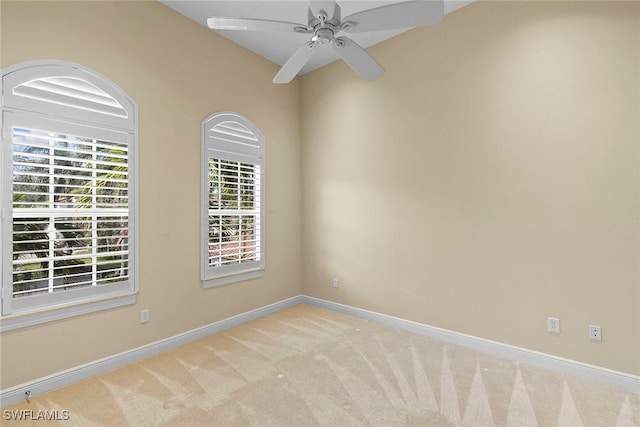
pixel 595 373
pixel 42 385
pixel 618 379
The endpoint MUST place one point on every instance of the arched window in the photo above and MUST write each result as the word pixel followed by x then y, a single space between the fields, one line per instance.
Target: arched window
pixel 69 237
pixel 232 199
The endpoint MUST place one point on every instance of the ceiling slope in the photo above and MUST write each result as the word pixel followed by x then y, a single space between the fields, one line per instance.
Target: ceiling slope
pixel 276 46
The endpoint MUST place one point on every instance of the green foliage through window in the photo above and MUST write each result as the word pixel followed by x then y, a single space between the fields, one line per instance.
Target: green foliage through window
pixel 70 212
pixel 234 216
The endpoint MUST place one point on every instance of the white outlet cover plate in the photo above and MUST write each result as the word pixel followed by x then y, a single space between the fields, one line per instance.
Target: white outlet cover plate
pixel 144 316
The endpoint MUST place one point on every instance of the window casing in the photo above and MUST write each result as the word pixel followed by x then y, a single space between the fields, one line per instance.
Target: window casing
pixel 69 220
pixel 232 199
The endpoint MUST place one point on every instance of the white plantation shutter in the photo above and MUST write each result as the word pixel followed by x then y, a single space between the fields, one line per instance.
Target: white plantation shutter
pixel 233 208
pixel 66 90
pixel 68 157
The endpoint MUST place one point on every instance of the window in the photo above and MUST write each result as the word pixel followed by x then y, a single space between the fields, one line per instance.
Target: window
pixel 68 184
pixel 232 195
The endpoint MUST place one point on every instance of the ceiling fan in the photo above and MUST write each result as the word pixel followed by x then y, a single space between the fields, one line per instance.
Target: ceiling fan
pixel 325 23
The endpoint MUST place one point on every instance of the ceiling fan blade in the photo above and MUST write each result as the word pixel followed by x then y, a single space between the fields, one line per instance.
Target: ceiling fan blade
pixel 328 6
pixel 395 16
pixel 358 58
pixel 295 63
pixel 221 23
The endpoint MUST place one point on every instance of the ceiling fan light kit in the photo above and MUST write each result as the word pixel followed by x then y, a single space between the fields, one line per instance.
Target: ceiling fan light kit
pixel 325 22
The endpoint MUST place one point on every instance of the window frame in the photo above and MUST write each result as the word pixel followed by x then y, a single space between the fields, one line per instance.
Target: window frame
pixel 222 275
pixel 46 114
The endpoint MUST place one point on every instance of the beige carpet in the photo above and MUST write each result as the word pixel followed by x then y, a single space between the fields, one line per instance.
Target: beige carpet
pixel 305 366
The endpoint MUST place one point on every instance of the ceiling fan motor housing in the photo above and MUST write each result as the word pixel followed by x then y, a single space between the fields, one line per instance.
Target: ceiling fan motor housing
pixel 323 36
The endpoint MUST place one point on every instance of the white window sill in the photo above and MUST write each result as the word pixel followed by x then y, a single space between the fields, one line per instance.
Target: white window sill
pixel 239 277
pixel 11 322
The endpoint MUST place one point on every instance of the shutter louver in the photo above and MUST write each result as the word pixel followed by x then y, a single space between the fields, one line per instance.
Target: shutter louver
pixel 234 212
pixel 230 137
pixel 68 188
pixel 70 212
pixel 71 92
pixel 233 217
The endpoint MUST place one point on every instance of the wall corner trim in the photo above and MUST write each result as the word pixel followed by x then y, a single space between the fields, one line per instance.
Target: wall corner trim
pixel 598 374
pixel 42 385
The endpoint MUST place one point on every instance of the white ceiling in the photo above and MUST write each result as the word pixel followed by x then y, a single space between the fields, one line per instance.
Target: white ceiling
pixel 278 46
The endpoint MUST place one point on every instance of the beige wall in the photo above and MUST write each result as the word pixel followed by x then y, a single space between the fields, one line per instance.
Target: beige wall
pixel 178 72
pixel 489 180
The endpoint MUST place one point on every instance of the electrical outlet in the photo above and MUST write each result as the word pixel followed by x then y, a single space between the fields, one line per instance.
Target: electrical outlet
pixel 144 316
pixel 336 283
pixel 553 325
pixel 595 333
